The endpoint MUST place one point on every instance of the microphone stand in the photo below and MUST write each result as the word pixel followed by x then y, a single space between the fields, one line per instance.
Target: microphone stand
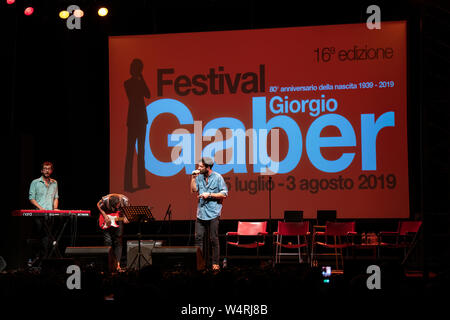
pixel 169 216
pixel 270 203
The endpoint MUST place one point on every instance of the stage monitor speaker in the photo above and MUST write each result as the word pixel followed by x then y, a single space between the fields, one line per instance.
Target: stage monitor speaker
pixel 293 215
pixel 146 252
pixel 178 257
pixel 326 215
pixel 98 258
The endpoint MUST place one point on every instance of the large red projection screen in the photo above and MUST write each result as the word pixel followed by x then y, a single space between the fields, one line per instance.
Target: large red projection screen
pixel 314 117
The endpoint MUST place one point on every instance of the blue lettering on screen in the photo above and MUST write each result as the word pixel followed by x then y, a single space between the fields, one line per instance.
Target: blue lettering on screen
pixel 314 142
pixel 262 126
pixel 184 116
pixel 235 144
pixel 185 142
pixel 369 131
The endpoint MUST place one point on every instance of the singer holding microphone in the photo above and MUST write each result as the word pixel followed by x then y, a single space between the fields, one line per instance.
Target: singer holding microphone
pixel 211 189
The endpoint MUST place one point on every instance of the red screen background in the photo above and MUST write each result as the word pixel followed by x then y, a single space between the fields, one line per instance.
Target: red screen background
pixel 290 59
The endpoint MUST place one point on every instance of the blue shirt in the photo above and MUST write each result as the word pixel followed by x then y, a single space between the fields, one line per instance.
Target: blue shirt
pixel 43 194
pixel 209 209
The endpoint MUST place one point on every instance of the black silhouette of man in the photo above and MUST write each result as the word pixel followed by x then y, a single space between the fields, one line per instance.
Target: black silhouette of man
pixel 136 90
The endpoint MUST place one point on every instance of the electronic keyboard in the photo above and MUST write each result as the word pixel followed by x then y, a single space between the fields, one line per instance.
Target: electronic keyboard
pixel 51 213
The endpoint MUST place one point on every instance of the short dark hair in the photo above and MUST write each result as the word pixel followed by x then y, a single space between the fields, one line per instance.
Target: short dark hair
pixel 47 163
pixel 208 162
pixel 113 201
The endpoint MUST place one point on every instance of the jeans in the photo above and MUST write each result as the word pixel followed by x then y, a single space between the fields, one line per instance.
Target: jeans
pixel 201 228
pixel 44 246
pixel 113 237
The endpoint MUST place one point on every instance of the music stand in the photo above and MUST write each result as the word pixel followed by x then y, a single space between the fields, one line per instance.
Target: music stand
pixel 138 214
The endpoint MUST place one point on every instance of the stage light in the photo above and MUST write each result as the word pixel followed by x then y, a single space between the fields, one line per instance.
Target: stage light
pixel 102 11
pixel 78 13
pixel 64 14
pixel 10 1
pixel 28 11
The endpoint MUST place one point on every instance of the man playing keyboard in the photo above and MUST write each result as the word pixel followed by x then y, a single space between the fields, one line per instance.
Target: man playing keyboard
pixel 43 195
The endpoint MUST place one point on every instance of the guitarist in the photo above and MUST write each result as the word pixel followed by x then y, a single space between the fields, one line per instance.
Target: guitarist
pixel 110 204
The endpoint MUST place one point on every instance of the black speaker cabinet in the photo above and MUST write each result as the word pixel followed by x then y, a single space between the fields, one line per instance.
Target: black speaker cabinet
pixel 99 258
pixel 178 257
pixel 325 215
pixel 146 253
pixel 293 216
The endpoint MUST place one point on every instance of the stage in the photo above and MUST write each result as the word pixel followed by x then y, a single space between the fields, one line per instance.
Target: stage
pixel 302 107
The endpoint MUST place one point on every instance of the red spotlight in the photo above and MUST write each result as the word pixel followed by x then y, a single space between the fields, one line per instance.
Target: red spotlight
pixel 10 1
pixel 29 11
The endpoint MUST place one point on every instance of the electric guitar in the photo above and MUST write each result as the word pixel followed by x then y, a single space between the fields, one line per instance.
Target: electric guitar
pixel 114 217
